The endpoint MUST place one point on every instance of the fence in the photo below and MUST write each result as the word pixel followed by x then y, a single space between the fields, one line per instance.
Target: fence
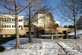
pixel 64 35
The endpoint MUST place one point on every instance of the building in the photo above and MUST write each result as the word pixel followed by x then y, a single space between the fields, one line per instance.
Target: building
pixel 46 21
pixel 7 23
pixel 43 21
pixel 60 30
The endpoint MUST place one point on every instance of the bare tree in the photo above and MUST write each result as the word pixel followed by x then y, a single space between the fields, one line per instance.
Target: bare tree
pixel 69 10
pixel 30 39
pixel 13 7
pixel 35 7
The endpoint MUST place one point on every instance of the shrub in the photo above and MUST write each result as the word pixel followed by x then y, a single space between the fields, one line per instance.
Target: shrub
pixel 2 49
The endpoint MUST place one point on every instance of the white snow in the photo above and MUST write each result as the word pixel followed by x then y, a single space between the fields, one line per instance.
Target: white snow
pixel 41 47
pixel 78 32
pixel 69 49
pixel 11 44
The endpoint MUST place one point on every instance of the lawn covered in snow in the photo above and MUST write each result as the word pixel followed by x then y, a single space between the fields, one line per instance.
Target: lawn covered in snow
pixel 11 44
pixel 44 47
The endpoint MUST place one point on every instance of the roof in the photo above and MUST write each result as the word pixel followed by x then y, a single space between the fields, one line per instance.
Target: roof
pixel 10 16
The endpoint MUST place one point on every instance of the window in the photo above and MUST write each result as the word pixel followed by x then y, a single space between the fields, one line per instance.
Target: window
pixel 20 20
pixel 13 26
pixel 8 20
pixel 7 26
pixel 4 26
pixel 13 20
pixel 3 19
pixel 20 26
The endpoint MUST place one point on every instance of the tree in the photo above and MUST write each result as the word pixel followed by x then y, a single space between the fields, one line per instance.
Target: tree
pixel 13 7
pixel 79 23
pixel 69 10
pixel 30 39
pixel 0 26
pixel 69 26
pixel 65 26
pixel 35 7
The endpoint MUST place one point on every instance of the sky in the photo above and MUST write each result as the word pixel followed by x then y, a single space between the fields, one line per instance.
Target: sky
pixel 54 3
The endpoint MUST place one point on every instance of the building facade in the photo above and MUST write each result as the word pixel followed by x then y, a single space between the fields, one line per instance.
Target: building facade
pixel 46 21
pixel 7 24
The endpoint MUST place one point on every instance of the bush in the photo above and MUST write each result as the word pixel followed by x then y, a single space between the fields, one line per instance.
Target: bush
pixel 6 39
pixel 39 31
pixel 2 49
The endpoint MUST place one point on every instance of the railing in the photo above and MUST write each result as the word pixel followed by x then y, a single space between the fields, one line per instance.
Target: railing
pixel 51 35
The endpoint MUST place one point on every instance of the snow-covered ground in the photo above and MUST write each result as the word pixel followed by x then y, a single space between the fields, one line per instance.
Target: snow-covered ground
pixel 75 44
pixel 78 33
pixel 38 47
pixel 11 44
pixel 69 50
pixel 43 47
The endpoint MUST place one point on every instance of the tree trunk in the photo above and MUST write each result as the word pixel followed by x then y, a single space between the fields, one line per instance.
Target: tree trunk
pixel 16 26
pixel 30 38
pixel 1 26
pixel 74 15
pixel 75 28
pixel 17 32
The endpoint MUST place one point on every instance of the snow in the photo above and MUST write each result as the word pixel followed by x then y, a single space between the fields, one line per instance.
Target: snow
pixel 38 47
pixel 69 49
pixel 11 44
pixel 43 47
pixel 78 32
